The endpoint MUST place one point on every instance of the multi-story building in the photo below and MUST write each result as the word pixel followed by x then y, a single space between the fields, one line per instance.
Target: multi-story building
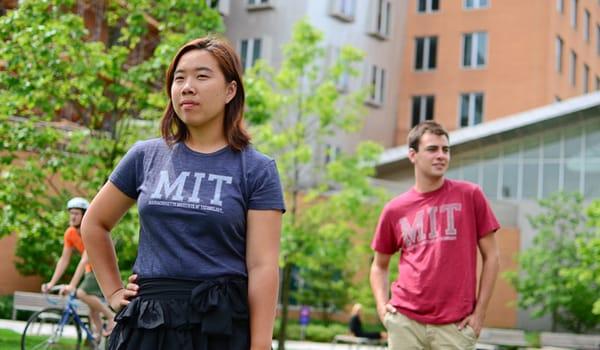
pixel 468 62
pixel 493 73
pixel 260 28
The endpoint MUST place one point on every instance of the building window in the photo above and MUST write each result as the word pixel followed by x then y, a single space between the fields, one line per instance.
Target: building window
pixel 574 6
pixel 343 9
pixel 559 54
pixel 425 53
pixel 250 51
pixel 476 4
pixel 377 85
pixel 597 83
pixel 343 81
pixel 381 20
pixel 425 6
pixel 220 5
pixel 474 50
pixel 259 4
pixel 560 6
pixel 471 109
pixel 586 26
pixel 332 152
pixel 598 39
pixel 573 69
pixel 422 109
pixel 586 78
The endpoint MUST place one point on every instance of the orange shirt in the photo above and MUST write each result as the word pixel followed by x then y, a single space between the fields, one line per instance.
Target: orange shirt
pixel 73 240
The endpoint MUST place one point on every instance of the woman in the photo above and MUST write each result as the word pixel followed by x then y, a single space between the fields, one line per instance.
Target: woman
pixel 210 210
pixel 356 328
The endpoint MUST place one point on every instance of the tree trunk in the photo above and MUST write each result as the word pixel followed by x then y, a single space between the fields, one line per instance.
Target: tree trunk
pixel 285 300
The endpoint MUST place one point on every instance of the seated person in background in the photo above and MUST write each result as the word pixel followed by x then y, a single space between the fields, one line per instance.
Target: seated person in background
pixel 356 326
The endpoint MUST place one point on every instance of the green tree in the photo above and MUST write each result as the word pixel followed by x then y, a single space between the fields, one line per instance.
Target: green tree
pixel 108 78
pixel 330 206
pixel 541 283
pixel 587 271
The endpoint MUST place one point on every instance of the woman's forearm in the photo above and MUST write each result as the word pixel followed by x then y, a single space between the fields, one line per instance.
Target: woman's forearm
pixel 102 257
pixel 263 283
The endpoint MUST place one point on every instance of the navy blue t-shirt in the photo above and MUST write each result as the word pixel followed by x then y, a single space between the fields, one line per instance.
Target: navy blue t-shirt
pixel 193 206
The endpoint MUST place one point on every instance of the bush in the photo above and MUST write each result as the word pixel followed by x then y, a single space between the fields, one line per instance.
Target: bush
pixel 315 331
pixel 6 303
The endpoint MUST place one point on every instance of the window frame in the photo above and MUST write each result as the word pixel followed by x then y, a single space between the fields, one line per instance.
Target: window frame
pixel 250 51
pixel 558 54
pixel 427 57
pixel 585 78
pixel 476 5
pixel 337 7
pixel 574 13
pixel 380 25
pixel 376 80
pixel 428 6
pixel 587 19
pixel 471 113
pixel 422 113
pixel 259 4
pixel 475 42
pixel 573 68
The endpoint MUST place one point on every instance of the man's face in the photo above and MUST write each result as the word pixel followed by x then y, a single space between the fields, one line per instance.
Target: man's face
pixel 433 157
pixel 75 217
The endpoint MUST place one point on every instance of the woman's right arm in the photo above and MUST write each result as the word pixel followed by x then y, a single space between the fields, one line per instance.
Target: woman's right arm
pixel 107 208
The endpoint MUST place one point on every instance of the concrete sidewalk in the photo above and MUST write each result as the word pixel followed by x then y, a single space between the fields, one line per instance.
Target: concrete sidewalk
pixel 18 327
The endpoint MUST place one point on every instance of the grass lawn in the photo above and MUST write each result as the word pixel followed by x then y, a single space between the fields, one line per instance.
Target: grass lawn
pixel 11 340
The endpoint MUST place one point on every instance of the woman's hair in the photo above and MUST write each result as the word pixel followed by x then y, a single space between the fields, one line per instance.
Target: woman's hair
pixel 174 130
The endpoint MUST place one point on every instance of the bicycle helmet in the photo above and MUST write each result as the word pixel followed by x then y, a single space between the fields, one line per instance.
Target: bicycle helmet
pixel 78 203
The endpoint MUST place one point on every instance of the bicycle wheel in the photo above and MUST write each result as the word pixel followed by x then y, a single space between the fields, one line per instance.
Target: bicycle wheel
pixel 44 331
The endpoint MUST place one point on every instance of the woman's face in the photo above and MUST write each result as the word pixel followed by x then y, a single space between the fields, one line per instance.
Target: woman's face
pixel 199 91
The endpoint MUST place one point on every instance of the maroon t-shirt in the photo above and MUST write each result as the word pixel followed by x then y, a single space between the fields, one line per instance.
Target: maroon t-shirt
pixel 437 234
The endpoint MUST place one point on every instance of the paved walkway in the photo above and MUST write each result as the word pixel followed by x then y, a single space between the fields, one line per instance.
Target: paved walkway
pixel 18 327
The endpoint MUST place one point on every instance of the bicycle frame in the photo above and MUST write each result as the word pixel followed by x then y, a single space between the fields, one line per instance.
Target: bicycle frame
pixel 70 310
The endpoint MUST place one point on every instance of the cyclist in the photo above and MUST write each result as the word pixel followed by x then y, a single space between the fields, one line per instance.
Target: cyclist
pixel 89 291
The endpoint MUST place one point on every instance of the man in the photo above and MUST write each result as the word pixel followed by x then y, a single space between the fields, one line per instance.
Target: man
pixel 89 291
pixel 437 227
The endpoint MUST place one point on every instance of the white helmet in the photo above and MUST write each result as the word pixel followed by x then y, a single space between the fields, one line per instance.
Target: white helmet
pixel 78 203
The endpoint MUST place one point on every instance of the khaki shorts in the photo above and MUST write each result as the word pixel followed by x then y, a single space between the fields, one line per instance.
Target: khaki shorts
pixel 407 334
pixel 90 286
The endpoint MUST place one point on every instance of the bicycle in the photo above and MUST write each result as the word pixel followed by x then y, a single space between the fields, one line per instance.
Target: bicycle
pixel 59 329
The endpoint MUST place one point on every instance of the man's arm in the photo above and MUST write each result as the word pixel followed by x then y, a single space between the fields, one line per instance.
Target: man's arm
pixel 487 280
pixel 262 261
pixel 77 275
pixel 61 266
pixel 379 283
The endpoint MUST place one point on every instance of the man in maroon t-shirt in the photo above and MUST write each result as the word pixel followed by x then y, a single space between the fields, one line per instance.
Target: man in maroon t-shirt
pixel 437 227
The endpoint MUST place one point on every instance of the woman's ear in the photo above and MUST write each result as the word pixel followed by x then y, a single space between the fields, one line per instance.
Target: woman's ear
pixel 231 91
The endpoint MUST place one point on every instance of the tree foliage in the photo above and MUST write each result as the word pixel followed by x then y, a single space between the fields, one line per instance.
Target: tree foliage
pixel 107 78
pixel 331 205
pixel 548 279
pixel 587 270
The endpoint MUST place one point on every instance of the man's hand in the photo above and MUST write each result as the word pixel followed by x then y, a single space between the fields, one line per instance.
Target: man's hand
pixel 475 321
pixel 67 289
pixel 121 297
pixel 383 309
pixel 46 287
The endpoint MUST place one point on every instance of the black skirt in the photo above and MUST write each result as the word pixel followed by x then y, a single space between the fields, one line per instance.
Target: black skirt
pixel 174 314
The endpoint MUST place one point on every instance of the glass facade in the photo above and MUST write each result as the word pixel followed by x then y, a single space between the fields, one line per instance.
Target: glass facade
pixel 536 165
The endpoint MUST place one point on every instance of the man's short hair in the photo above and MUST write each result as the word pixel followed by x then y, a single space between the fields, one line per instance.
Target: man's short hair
pixel 414 135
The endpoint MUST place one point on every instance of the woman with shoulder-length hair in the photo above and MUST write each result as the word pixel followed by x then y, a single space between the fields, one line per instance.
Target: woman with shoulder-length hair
pixel 210 208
